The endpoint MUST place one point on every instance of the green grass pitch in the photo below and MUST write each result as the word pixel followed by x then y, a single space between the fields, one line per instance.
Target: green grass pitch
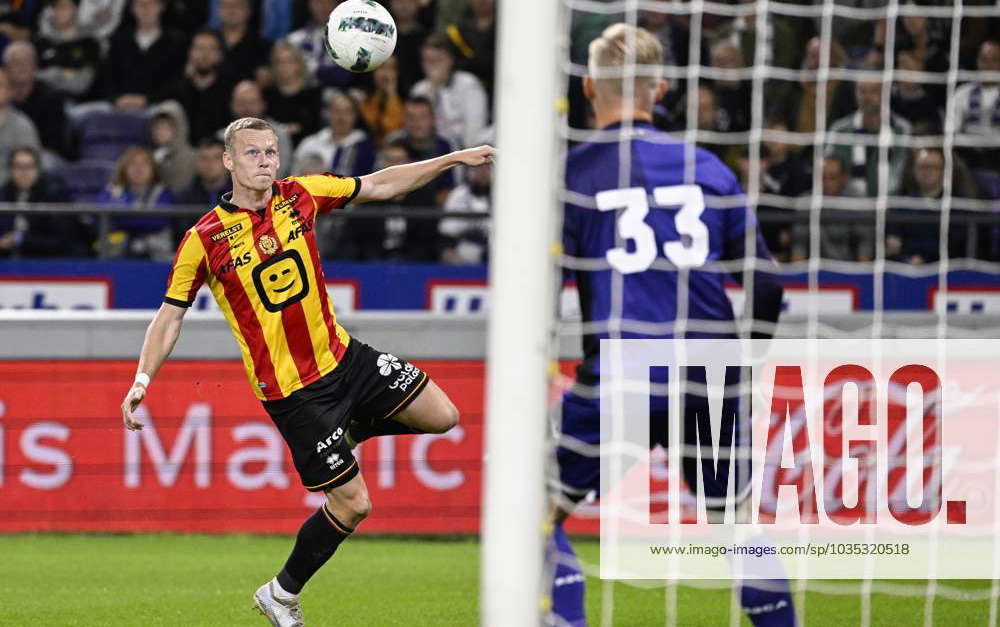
pixel 50 579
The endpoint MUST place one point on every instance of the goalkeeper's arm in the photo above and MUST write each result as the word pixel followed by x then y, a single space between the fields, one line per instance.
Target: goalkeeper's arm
pixel 767 293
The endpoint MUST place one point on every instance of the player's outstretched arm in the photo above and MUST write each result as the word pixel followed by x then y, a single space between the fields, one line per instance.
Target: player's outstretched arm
pixel 400 179
pixel 161 335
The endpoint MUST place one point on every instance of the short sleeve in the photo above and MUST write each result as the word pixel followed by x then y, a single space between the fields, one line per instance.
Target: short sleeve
pixel 330 191
pixel 188 272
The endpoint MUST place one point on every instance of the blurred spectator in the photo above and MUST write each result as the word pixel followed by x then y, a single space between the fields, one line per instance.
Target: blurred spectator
pixel 383 108
pixel 920 242
pixel 844 234
pixel 781 173
pixel 466 240
pixel 45 107
pixel 16 129
pixel 709 118
pixel 435 15
pixel 276 19
pixel 203 91
pixel 69 59
pixel 421 142
pixel 732 94
pixel 18 19
pixel 211 179
pixel 310 40
pixel 101 18
pixel 795 103
pixel 912 100
pixel 474 37
pixel 658 23
pixel 310 164
pixel 248 102
pixel 244 50
pixel 344 144
pixel 927 39
pixel 292 99
pixel 366 238
pixel 143 57
pixel 273 19
pixel 39 234
pixel 171 151
pixel 410 37
pixel 136 183
pixel 459 98
pixel 187 16
pixel 781 40
pixel 977 109
pixel 409 239
pixel 866 122
pixel 784 172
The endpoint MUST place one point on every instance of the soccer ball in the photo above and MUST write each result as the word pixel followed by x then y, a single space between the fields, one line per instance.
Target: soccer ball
pixel 360 35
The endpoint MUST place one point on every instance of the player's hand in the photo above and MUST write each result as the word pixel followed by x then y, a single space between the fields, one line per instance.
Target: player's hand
pixel 475 157
pixel 132 400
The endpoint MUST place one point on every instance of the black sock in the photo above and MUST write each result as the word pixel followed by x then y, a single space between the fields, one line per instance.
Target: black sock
pixel 363 430
pixel 318 538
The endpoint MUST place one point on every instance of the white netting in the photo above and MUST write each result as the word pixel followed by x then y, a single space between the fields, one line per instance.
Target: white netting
pixel 938 45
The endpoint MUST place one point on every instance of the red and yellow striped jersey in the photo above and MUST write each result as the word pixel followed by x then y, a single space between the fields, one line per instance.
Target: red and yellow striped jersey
pixel 264 270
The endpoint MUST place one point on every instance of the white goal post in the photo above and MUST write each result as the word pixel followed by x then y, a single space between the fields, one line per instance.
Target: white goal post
pixel 522 305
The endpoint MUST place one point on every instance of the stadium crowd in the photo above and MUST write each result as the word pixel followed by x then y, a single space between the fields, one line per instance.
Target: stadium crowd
pixel 122 103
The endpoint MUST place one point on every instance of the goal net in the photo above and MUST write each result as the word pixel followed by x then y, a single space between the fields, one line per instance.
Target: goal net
pixel 865 135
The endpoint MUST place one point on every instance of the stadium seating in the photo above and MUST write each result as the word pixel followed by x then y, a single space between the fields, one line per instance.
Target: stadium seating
pixel 86 179
pixel 106 135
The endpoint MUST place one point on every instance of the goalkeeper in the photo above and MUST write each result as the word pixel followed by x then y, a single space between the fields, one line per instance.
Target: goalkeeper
pixel 641 202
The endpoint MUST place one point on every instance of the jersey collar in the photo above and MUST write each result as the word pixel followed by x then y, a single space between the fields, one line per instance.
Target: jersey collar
pixel 226 200
pixel 635 123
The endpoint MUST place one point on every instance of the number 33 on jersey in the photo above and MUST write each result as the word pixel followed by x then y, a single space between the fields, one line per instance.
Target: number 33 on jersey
pixel 634 217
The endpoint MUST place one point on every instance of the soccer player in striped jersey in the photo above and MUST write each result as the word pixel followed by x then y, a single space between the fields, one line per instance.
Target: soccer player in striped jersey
pixel 325 391
pixel 652 221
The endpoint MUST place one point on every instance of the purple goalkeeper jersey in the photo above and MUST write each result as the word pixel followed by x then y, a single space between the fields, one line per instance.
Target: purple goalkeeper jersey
pixel 645 224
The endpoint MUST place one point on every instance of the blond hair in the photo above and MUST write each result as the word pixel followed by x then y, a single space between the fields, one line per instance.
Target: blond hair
pixel 611 50
pixel 245 124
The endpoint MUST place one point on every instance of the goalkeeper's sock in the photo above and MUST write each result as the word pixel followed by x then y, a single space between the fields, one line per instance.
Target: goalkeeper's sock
pixel 318 538
pixel 358 431
pixel 766 598
pixel 768 603
pixel 567 581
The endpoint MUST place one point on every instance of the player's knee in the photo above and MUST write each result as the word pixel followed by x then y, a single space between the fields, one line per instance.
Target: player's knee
pixel 350 505
pixel 447 417
pixel 354 509
pixel 360 506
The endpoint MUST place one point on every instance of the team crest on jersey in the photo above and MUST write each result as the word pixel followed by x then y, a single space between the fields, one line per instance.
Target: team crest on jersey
pixel 387 363
pixel 268 244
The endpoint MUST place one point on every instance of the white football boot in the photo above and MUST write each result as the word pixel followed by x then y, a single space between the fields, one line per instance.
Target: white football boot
pixel 278 606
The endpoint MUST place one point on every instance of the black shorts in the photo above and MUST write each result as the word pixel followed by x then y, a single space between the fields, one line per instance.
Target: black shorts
pixel 368 385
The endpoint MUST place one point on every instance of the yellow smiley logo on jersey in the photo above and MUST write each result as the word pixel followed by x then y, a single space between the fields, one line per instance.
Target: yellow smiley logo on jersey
pixel 281 280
